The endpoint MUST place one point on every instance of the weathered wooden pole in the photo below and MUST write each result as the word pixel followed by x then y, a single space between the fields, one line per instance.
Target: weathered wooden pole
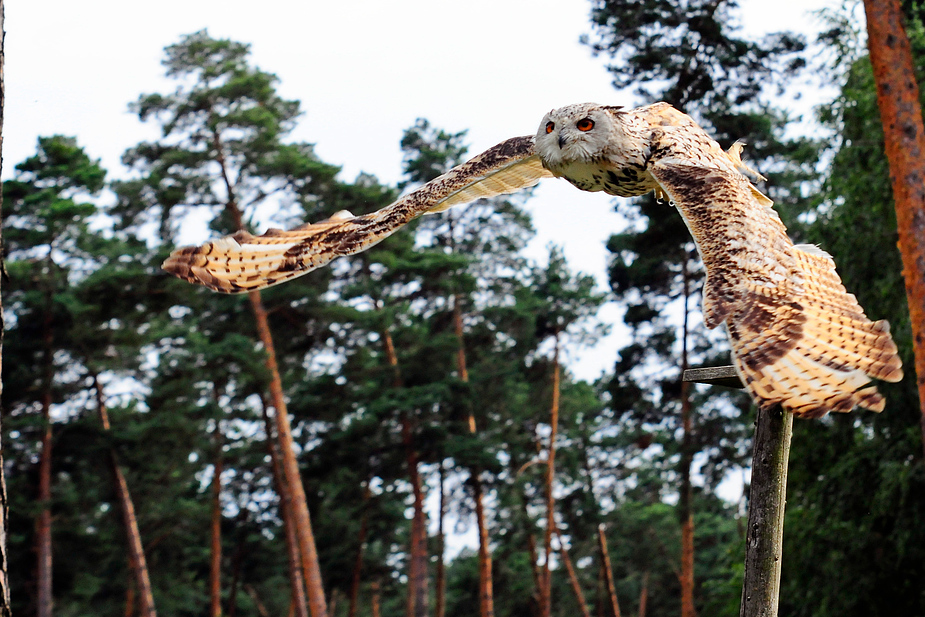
pixel 766 501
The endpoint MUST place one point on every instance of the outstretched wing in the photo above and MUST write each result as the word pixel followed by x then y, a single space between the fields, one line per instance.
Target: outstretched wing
pixel 798 338
pixel 244 262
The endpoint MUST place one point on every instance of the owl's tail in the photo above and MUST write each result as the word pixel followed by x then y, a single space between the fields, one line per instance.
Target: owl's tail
pixel 244 262
pixel 822 354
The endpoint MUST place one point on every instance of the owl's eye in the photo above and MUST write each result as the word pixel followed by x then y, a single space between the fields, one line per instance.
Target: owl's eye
pixel 585 124
pixel 550 126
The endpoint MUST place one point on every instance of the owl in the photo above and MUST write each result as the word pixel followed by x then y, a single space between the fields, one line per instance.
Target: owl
pixel 798 338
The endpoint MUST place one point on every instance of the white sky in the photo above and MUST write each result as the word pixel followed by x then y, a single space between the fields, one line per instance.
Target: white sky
pixel 363 70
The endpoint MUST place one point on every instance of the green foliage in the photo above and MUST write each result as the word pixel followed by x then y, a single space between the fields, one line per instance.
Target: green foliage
pixel 690 51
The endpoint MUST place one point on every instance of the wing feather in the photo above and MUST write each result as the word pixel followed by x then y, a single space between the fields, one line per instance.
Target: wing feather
pixel 798 337
pixel 245 262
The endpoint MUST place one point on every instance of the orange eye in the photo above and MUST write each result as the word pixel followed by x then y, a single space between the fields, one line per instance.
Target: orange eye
pixel 585 124
pixel 550 126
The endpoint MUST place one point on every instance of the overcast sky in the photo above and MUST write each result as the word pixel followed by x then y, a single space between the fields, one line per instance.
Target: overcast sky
pixel 363 70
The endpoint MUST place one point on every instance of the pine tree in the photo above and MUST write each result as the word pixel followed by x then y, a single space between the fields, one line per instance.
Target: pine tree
pixel 222 149
pixel 47 226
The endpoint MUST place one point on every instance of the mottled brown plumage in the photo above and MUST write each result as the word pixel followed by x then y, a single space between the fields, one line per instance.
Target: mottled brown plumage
pixel 798 338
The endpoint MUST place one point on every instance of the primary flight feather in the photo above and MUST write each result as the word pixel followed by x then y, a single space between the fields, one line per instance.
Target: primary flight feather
pixel 798 338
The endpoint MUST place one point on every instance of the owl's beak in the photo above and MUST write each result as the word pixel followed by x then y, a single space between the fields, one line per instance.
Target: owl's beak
pixel 561 141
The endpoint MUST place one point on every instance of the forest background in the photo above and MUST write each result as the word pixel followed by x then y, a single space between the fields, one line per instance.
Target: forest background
pixel 423 378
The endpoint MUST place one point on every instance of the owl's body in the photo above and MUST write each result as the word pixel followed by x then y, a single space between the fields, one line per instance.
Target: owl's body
pixel 798 338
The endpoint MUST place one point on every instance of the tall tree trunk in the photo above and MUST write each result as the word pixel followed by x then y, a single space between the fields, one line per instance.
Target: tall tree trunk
pixel 375 598
pixel 417 568
pixel 332 607
pixel 608 572
pixel 44 598
pixel 136 554
pixel 685 509
pixel 300 514
pixel 417 575
pixel 129 597
pixel 441 548
pixel 215 565
pixel 601 590
pixel 261 608
pixel 303 524
pixel 644 595
pixel 296 577
pixel 361 545
pixel 4 579
pixel 901 114
pixel 573 577
pixel 486 592
pixel 546 591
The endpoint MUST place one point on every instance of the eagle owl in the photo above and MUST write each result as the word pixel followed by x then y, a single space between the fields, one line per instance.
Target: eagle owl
pixel 798 338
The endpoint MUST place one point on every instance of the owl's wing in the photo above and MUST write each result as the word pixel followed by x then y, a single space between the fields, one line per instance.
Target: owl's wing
pixel 244 262
pixel 798 338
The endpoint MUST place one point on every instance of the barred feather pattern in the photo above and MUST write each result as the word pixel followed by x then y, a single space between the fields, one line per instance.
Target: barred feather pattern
pixel 799 339
pixel 244 262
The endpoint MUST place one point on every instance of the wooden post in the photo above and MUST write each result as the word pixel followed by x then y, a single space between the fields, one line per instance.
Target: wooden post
pixel 767 499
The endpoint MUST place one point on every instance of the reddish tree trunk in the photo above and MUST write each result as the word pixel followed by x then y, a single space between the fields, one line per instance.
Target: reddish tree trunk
pixel 685 507
pixel 417 574
pixel 901 114
pixel 486 591
pixel 136 555
pixel 43 522
pixel 129 598
pixel 296 577
pixel 417 568
pixel 375 598
pixel 300 514
pixel 573 578
pixel 546 591
pixel 215 566
pixel 644 595
pixel 332 607
pixel 441 550
pixel 261 608
pixel 608 572
pixel 44 600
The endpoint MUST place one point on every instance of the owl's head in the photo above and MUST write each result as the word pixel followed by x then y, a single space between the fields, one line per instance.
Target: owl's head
pixel 576 133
